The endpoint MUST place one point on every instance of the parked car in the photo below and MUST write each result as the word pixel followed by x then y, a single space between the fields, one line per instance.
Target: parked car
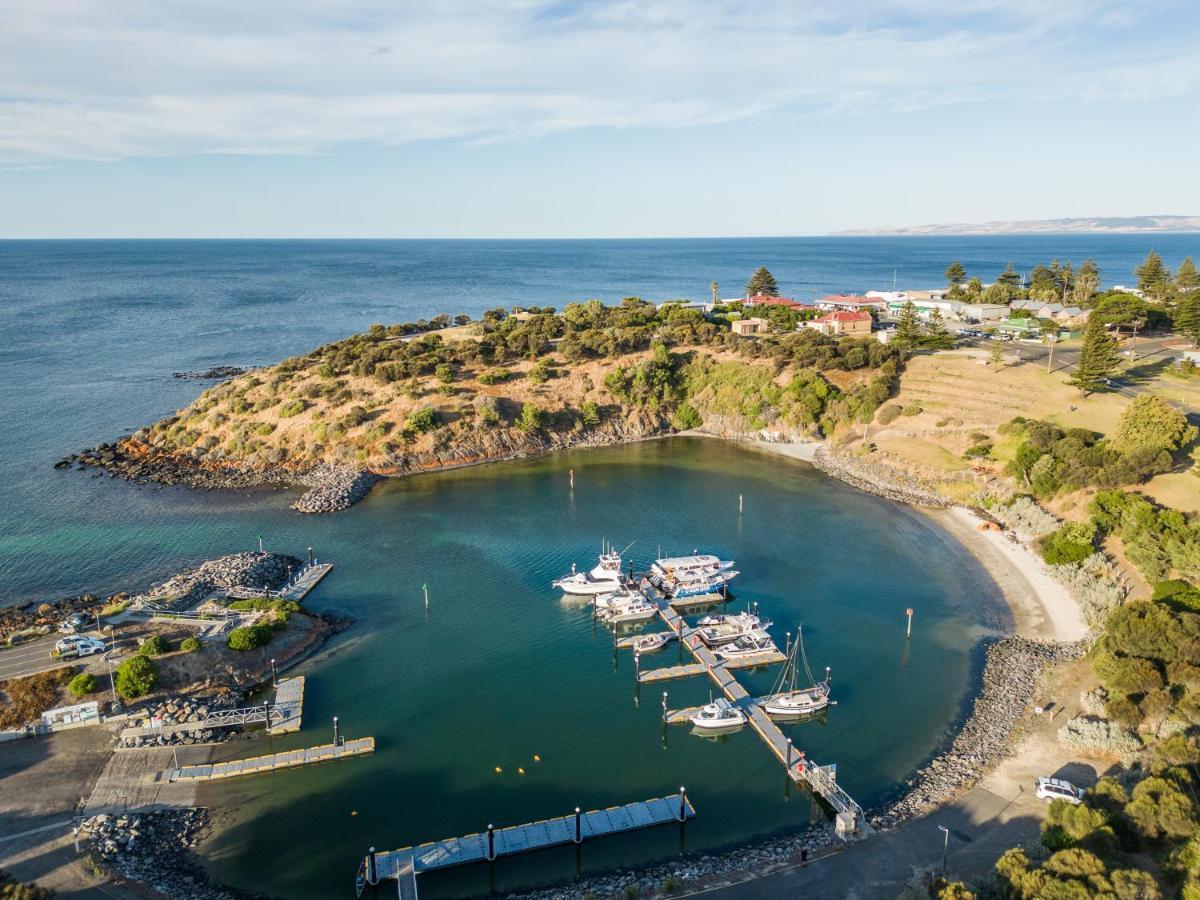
pixel 73 623
pixel 72 647
pixel 1058 789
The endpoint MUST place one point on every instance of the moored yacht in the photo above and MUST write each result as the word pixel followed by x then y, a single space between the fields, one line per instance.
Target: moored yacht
pixel 605 578
pixel 717 715
pixel 786 699
pixel 691 576
pixel 636 610
pixel 754 643
pixel 720 629
pixel 648 643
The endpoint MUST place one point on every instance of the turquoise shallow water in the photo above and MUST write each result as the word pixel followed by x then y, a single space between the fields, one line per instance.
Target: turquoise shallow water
pixel 502 668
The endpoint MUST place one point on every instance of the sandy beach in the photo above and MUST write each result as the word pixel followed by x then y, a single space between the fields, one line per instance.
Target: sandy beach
pixel 1042 608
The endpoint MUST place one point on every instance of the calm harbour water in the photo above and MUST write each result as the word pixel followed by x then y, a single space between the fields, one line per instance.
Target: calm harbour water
pixel 501 669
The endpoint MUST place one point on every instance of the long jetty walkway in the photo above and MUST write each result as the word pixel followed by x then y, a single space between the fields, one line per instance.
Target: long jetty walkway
pixel 406 864
pixel 273 761
pixel 849 818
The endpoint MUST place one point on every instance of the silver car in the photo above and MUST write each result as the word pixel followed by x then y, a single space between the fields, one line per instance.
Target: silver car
pixel 1058 789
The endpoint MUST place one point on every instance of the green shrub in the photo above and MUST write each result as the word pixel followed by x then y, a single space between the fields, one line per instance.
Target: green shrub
pixel 294 408
pixel 136 677
pixel 541 372
pixel 82 684
pixel 247 637
pixel 493 376
pixel 444 373
pixel 589 413
pixel 264 429
pixel 980 450
pixel 189 645
pixel 154 645
pixel 1071 543
pixel 532 418
pixel 913 409
pixel 685 417
pixel 422 420
pixel 888 414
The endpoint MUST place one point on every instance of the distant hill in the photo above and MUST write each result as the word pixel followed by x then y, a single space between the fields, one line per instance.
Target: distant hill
pixel 1092 225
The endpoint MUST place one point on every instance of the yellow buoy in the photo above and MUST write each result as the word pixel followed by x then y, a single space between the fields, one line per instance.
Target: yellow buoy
pixel 354 812
pixel 498 770
pixel 520 771
pixel 536 758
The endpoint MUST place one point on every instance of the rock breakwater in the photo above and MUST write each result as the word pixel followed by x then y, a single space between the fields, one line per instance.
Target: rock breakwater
pixel 335 488
pixel 250 570
pixel 156 849
pixel 1011 675
pixel 877 477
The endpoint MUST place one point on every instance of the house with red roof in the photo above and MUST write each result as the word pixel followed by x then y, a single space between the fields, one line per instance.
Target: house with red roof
pixel 842 322
pixel 769 300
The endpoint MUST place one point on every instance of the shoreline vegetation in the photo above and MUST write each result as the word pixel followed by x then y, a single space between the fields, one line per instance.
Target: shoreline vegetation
pixel 391 402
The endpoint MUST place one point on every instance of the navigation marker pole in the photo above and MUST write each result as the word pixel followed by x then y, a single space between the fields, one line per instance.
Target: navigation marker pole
pixel 425 590
pixel 571 478
pixel 909 613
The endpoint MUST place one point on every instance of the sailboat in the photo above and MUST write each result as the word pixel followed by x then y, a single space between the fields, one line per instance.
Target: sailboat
pixel 786 699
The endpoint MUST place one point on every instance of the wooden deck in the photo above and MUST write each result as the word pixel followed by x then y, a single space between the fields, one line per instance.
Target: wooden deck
pixel 272 762
pixel 308 579
pixel 405 864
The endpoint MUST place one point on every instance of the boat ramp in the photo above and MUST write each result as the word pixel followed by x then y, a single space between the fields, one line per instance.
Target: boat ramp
pixel 406 864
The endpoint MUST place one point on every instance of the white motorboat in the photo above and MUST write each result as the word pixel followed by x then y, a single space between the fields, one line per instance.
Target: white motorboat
pixel 639 610
pixel 604 578
pixel 648 643
pixel 617 598
pixel 717 715
pixel 718 630
pixel 689 566
pixel 680 577
pixel 788 701
pixel 755 643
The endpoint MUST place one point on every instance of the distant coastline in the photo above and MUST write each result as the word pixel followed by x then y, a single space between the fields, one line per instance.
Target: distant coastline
pixel 1069 225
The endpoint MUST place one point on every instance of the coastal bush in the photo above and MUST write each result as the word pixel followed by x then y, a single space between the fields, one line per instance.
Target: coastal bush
pixel 444 373
pixel 293 408
pixel 355 417
pixel 888 414
pixel 264 429
pixel 589 413
pixel 154 645
pixel 541 372
pixel 1156 540
pixel 1094 733
pixel 247 637
pixel 422 420
pixel 913 409
pixel 1024 516
pixel 189 645
pixel 979 451
pixel 493 376
pixel 685 417
pixel 487 410
pixel 1092 584
pixel 11 889
pixel 1072 543
pixel 1151 423
pixel 82 684
pixel 136 677
pixel 532 418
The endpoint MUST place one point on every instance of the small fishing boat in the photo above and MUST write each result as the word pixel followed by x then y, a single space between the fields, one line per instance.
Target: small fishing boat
pixel 786 700
pixel 755 643
pixel 639 610
pixel 717 715
pixel 604 578
pixel 718 630
pixel 648 643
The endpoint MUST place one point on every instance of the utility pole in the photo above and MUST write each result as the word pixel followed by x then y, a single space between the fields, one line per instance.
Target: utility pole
pixel 945 847
pixel 1052 338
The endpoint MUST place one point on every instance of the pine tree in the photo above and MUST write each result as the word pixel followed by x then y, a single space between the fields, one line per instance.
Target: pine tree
pixel 1097 360
pixel 1186 320
pixel 1187 278
pixel 956 274
pixel 908 325
pixel 762 282
pixel 936 336
pixel 1009 277
pixel 1153 276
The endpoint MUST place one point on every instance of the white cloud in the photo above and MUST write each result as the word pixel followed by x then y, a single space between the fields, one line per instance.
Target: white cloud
pixel 114 79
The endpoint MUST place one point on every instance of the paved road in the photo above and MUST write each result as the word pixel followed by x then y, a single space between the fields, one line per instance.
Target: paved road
pixel 34 657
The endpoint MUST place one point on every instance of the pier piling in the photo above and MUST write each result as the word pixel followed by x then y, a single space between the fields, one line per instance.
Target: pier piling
pixel 337 741
pixel 372 868
pixel 578 826
pixel 491 851
pixel 682 803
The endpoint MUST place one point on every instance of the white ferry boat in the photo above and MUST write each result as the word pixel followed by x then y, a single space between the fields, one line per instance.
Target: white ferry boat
pixel 691 576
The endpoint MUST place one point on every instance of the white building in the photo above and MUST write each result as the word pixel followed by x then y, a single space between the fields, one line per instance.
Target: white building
pixel 954 310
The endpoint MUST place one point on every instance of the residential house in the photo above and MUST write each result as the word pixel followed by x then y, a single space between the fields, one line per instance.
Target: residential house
pixel 852 303
pixel 769 300
pixel 747 327
pixel 842 322
pixel 926 302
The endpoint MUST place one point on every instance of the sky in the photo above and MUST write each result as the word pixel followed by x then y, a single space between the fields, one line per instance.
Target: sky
pixel 639 118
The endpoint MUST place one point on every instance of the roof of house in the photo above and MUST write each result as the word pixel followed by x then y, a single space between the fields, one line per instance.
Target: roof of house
pixel 844 316
pixel 850 300
pixel 770 300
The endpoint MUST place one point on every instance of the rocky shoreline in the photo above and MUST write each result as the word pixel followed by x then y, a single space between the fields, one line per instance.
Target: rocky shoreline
pixel 1011 676
pixel 156 849
pixel 876 478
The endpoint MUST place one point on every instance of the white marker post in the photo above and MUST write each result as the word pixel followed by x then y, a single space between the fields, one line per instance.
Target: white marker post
pixel 909 613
